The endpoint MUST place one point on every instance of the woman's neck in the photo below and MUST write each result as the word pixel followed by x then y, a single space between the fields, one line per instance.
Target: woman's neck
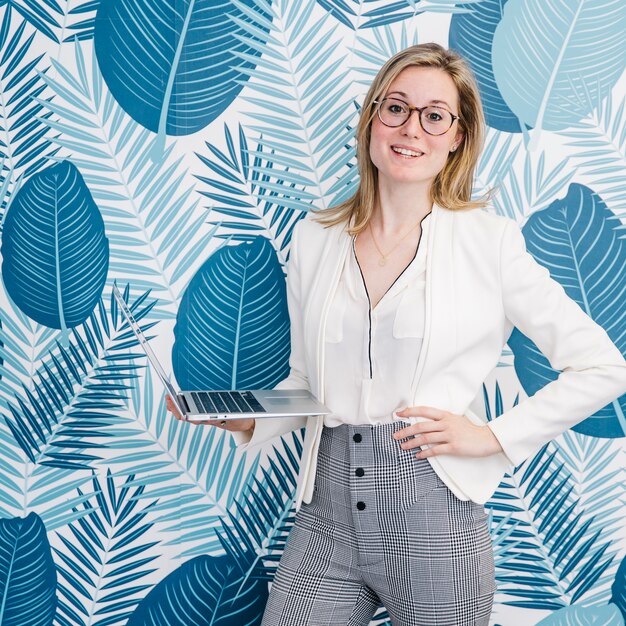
pixel 397 210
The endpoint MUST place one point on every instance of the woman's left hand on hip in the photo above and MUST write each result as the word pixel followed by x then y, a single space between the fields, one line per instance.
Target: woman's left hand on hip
pixel 446 433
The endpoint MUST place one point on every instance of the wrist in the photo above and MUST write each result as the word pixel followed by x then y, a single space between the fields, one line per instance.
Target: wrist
pixel 495 445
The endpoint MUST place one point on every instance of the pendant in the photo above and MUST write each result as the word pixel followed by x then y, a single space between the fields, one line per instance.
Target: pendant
pixel 382 261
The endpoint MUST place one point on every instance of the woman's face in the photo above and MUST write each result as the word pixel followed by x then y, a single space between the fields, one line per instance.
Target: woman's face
pixel 427 154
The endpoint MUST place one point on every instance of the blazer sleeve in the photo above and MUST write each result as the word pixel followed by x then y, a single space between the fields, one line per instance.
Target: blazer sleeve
pixel 592 369
pixel 266 428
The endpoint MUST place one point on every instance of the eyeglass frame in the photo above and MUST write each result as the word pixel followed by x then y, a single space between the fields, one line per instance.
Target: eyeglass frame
pixel 419 117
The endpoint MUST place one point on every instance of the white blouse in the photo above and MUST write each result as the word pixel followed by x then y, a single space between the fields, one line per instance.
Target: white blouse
pixel 371 355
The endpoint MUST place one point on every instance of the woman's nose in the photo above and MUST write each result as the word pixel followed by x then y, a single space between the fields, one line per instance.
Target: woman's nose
pixel 412 126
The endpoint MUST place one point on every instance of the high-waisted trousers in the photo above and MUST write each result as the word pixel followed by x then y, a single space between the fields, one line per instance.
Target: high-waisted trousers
pixel 382 528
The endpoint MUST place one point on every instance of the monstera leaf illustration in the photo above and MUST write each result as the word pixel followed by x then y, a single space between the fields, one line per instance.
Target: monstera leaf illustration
pixel 578 240
pixel 204 591
pixel 28 577
pixel 174 66
pixel 232 328
pixel 471 33
pixel 551 58
pixel 55 252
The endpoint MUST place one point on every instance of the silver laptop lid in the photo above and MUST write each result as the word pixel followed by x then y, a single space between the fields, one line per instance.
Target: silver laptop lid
pixel 143 342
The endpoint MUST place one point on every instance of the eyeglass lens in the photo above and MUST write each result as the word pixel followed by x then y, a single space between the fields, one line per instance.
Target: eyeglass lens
pixel 435 120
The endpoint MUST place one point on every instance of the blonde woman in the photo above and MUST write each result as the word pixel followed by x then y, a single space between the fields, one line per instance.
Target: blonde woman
pixel 401 300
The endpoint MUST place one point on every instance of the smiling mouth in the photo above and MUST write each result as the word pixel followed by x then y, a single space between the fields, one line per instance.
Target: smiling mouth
pixel 408 154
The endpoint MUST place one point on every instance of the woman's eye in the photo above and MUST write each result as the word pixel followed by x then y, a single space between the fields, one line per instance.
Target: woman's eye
pixel 396 109
pixel 434 117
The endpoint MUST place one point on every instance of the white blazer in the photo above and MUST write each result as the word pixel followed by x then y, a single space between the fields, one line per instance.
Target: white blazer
pixel 480 283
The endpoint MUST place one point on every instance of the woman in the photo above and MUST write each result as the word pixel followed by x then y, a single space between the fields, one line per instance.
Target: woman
pixel 404 296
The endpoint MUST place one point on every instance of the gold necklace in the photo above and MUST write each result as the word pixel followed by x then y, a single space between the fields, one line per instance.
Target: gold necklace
pixel 383 257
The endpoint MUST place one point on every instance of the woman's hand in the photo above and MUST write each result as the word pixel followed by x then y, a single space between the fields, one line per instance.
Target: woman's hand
pixel 446 433
pixel 238 425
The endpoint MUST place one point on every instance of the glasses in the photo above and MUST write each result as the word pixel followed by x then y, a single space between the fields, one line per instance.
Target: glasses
pixel 433 120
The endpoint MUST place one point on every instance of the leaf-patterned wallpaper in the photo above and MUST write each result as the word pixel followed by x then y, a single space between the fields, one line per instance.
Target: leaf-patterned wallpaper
pixel 170 146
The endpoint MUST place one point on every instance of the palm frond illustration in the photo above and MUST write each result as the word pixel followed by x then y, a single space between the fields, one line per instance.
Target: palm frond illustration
pixel 105 559
pixel 245 208
pixel 354 16
pixel 6 183
pixel 24 344
pixel 79 388
pixel 519 190
pixel 539 522
pixel 257 534
pixel 373 47
pixel 496 159
pixel 44 16
pixel 25 146
pixel 588 461
pixel 27 574
pixel 551 547
pixel 195 471
pixel 608 615
pixel 599 142
pixel 555 551
pixel 174 67
pixel 300 110
pixel 155 227
pixel 618 597
pixel 579 239
pixel 232 587
pixel 79 21
pixel 539 82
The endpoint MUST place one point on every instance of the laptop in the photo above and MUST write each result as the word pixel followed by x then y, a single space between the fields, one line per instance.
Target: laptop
pixel 228 404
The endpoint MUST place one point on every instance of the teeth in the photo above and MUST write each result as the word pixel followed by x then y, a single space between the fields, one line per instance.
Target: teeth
pixel 406 152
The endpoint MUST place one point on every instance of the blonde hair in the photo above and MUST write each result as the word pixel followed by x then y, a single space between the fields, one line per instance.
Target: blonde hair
pixel 452 187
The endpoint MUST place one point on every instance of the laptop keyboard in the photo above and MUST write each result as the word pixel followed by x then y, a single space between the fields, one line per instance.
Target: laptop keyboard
pixel 227 402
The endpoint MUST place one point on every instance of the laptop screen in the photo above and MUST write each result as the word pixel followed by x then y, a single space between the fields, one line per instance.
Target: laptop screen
pixel 143 342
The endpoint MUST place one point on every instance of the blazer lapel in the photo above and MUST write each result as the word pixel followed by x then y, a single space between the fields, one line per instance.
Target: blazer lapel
pixel 335 247
pixel 440 311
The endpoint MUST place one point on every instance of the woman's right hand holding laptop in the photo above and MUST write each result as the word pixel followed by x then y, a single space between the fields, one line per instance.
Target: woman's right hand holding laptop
pixel 237 424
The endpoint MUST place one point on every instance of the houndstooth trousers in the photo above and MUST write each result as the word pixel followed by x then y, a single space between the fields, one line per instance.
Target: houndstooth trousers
pixel 382 527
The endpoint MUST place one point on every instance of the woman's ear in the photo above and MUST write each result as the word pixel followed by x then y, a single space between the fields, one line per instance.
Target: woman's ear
pixel 457 141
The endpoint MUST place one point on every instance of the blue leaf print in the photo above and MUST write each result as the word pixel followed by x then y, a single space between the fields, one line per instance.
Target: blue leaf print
pixel 83 28
pixel 232 327
pixel 618 588
pixel 578 240
pixel 26 149
pixel 55 252
pixel 607 615
pixel 471 34
pixel 28 577
pixel 78 388
pixel 104 558
pixel 175 66
pixel 204 591
pixel 37 15
pixel 552 59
